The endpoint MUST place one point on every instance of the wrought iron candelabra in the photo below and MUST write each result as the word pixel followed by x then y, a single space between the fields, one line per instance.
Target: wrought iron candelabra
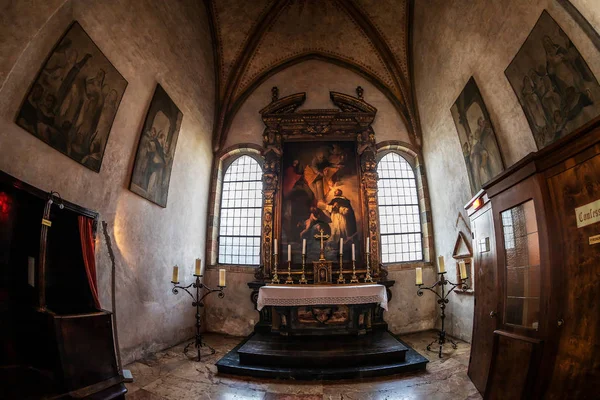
pixel 442 301
pixel 198 301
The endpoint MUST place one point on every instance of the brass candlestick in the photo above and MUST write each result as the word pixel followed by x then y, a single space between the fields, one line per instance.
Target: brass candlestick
pixel 354 278
pixel 341 277
pixel 303 278
pixel 275 276
pixel 368 277
pixel 289 280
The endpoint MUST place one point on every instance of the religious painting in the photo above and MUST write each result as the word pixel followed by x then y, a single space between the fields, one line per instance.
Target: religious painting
pixel 321 194
pixel 554 84
pixel 156 149
pixel 73 101
pixel 477 137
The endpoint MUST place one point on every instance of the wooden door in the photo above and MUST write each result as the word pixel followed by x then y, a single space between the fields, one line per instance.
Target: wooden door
pixel 482 342
pixel 576 370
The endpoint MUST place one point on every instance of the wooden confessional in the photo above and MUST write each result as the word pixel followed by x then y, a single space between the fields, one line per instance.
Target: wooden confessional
pixel 536 231
pixel 55 340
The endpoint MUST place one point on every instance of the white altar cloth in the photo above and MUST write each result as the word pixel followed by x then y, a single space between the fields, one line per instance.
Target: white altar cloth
pixel 296 295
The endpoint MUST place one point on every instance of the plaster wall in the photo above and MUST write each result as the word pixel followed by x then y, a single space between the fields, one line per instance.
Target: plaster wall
pixel 316 78
pixel 235 314
pixel 454 40
pixel 147 41
pixel 590 11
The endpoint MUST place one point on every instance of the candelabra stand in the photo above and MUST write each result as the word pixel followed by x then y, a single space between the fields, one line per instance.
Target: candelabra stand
pixel 289 280
pixel 368 278
pixel 303 278
pixel 341 277
pixel 354 278
pixel 198 301
pixel 442 301
pixel 275 276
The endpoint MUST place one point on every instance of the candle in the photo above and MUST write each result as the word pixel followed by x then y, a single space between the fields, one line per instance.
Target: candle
pixel 198 270
pixel 341 246
pixel 289 252
pixel 275 247
pixel 368 245
pixel 222 277
pixel 353 253
pixel 463 270
pixel 419 272
pixel 303 246
pixel 441 266
pixel 175 274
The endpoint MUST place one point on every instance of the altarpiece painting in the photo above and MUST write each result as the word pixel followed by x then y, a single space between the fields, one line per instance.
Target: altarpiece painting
pixel 321 191
pixel 154 158
pixel 477 137
pixel 554 84
pixel 74 99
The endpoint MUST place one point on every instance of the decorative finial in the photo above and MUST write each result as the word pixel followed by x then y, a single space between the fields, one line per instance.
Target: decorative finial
pixel 360 91
pixel 274 94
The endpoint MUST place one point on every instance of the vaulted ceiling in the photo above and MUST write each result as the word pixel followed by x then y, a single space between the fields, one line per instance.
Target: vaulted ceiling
pixel 255 39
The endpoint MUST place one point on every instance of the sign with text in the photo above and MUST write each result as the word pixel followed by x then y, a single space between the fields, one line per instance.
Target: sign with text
pixel 588 214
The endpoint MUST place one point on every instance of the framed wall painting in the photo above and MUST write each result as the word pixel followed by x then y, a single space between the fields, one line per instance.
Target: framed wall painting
pixel 554 85
pixel 156 149
pixel 477 137
pixel 73 101
pixel 320 190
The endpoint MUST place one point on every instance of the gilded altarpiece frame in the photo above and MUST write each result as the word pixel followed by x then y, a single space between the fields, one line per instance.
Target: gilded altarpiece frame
pixel 350 122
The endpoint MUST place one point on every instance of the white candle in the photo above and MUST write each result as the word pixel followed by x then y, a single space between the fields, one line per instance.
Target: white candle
pixel 198 270
pixel 463 270
pixel 275 247
pixel 303 246
pixel 222 277
pixel 289 252
pixel 441 265
pixel 353 253
pixel 341 246
pixel 175 274
pixel 419 272
pixel 368 245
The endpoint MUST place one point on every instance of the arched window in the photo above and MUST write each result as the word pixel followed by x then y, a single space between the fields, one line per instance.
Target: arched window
pixel 240 216
pixel 399 216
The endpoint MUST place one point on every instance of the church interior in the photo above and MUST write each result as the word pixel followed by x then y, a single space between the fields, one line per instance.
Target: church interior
pixel 299 199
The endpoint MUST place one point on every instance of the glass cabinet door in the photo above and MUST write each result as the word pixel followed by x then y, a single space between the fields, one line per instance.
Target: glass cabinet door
pixel 522 269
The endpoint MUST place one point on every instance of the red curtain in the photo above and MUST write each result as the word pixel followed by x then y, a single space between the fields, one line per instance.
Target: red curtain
pixel 89 255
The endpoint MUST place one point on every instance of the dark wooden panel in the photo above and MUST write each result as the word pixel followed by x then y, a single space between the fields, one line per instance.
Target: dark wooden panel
pixel 514 367
pixel 485 299
pixel 576 371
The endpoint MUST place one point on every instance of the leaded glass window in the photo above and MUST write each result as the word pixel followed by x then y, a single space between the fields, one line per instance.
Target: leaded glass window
pixel 240 218
pixel 399 216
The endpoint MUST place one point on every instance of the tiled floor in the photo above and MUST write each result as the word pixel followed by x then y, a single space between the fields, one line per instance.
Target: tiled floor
pixel 170 375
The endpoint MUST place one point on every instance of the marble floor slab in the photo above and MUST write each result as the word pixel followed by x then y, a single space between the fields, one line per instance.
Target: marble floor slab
pixel 170 375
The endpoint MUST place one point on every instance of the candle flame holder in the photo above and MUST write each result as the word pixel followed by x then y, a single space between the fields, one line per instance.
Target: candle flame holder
pixel 275 276
pixel 354 278
pixel 303 277
pixel 198 301
pixel 368 278
pixel 442 301
pixel 289 280
pixel 341 279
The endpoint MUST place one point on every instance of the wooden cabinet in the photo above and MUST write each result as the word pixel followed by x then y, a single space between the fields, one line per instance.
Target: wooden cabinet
pixel 546 223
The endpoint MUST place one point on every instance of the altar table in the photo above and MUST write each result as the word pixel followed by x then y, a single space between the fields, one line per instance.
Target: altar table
pixel 296 295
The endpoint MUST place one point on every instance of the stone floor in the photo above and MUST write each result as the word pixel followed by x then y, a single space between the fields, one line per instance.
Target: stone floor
pixel 170 375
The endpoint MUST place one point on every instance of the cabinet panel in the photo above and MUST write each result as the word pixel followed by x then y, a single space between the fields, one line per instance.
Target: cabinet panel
pixel 485 298
pixel 576 371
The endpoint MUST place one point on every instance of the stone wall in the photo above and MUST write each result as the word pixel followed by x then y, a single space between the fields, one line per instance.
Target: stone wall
pixel 454 40
pixel 148 42
pixel 235 314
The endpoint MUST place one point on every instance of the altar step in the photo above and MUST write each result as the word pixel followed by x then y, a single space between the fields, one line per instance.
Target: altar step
pixel 323 358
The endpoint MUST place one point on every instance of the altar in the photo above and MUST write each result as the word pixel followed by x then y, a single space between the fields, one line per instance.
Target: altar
pixel 320 291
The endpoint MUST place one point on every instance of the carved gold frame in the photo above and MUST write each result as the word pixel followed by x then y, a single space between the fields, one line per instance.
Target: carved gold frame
pixel 351 121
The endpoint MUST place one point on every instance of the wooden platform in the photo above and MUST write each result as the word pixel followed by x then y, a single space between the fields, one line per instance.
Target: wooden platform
pixel 325 358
